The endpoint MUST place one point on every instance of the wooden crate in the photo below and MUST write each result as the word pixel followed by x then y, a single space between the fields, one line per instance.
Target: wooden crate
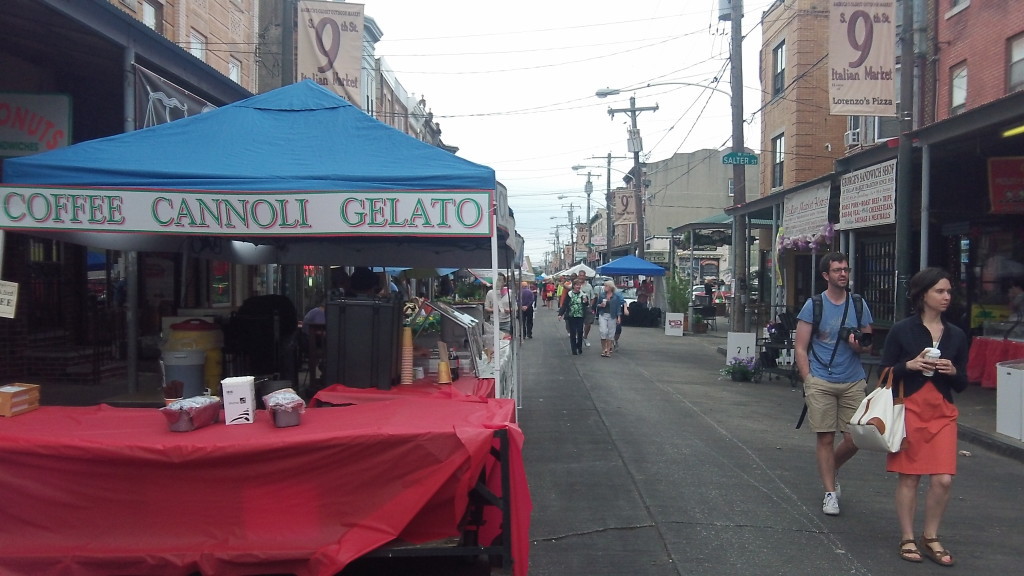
pixel 18 398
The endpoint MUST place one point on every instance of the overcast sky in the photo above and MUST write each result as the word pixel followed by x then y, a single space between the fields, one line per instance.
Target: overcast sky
pixel 512 85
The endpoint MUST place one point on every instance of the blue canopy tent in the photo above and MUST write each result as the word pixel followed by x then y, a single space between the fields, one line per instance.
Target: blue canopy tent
pixel 297 175
pixel 631 266
pixel 294 160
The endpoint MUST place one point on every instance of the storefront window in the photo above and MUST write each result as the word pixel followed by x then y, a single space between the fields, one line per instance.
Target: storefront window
pixel 876 279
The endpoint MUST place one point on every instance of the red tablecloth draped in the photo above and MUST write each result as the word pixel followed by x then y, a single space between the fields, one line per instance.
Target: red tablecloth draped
pixel 103 490
pixel 463 389
pixel 985 353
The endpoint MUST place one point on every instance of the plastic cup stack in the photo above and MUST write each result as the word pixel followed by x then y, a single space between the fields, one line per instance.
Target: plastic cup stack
pixel 407 363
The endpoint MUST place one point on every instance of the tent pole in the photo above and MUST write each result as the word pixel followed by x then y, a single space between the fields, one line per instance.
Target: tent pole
pixel 132 321
pixel 496 342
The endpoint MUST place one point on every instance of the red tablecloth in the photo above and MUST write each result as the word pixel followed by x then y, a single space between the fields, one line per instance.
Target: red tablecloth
pixel 985 353
pixel 103 490
pixel 464 389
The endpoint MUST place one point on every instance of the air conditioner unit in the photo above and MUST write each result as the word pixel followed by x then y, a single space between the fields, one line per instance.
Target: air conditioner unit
pixel 852 138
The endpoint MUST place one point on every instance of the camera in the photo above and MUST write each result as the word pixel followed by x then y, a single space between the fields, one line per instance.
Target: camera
pixel 862 338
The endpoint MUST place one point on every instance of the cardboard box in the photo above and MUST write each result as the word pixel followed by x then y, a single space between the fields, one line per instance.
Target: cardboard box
pixel 239 396
pixel 18 398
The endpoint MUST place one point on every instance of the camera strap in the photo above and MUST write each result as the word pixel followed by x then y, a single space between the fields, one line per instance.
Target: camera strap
pixel 835 348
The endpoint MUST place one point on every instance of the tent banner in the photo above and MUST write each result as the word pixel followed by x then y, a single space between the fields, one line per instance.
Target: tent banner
pixel 862 58
pixel 1006 184
pixel 868 197
pixel 625 211
pixel 159 101
pixel 299 213
pixel 330 46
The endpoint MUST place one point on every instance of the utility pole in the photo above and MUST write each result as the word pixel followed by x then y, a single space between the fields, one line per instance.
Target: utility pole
pixel 904 161
pixel 740 242
pixel 572 229
pixel 609 204
pixel 635 146
pixel 589 189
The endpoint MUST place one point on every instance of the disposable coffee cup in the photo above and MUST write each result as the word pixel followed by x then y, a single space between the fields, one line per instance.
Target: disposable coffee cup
pixel 931 354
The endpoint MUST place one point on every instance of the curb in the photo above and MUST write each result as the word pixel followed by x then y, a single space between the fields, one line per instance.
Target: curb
pixel 990 442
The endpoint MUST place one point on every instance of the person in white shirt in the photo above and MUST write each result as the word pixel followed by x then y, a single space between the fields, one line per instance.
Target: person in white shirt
pixel 497 299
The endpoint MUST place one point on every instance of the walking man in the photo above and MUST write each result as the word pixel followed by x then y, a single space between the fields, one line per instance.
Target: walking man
pixel 827 347
pixel 526 301
pixel 572 308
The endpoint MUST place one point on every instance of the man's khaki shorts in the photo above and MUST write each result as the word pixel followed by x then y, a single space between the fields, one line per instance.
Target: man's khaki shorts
pixel 830 405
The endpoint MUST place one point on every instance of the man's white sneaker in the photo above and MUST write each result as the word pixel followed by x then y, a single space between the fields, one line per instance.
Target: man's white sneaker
pixel 586 343
pixel 830 505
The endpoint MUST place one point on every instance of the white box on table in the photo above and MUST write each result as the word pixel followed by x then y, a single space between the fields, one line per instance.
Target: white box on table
pixel 239 395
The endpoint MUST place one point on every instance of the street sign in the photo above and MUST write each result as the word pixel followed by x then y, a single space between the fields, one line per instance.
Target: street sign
pixel 657 256
pixel 740 158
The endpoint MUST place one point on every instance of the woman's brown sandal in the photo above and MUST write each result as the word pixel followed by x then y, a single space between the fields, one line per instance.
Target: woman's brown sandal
pixel 910 554
pixel 933 554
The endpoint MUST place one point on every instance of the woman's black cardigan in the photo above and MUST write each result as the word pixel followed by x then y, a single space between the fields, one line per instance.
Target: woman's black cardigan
pixel 908 338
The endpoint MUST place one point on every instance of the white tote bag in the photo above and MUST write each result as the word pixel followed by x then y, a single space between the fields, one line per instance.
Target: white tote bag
pixel 878 423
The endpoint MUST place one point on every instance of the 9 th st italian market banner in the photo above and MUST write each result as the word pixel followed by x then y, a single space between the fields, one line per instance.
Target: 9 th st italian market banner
pixel 862 58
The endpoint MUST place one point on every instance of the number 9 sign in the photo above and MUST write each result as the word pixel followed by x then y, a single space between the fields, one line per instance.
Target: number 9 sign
pixel 859 20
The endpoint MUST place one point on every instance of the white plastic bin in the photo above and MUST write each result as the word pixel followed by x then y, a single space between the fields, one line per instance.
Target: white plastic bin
pixel 1010 398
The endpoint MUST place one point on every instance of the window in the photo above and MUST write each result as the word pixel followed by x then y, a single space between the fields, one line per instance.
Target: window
pixel 778 150
pixel 958 89
pixel 732 190
pixel 779 69
pixel 235 70
pixel 1016 72
pixel 152 15
pixel 197 45
pixel 876 259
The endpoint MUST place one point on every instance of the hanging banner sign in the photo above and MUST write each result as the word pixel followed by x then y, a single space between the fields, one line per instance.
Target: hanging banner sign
pixel 159 101
pixel 228 213
pixel 1006 185
pixel 8 299
pixel 868 197
pixel 805 212
pixel 625 212
pixel 862 58
pixel 330 46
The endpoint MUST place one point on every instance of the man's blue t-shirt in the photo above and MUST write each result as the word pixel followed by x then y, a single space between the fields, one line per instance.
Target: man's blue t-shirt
pixel 846 367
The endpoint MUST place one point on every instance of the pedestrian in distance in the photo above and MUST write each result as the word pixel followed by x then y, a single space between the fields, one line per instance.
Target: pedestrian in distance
pixel 930 416
pixel 588 315
pixel 572 310
pixel 610 305
pixel 498 306
pixel 527 299
pixel 827 349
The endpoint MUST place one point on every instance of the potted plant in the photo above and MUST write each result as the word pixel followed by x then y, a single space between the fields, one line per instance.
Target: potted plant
pixel 741 369
pixel 698 324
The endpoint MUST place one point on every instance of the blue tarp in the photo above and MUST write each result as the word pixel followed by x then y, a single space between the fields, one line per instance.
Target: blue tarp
pixel 299 137
pixel 630 266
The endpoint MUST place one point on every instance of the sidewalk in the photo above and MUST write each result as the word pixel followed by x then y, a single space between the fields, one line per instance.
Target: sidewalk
pixel 977 406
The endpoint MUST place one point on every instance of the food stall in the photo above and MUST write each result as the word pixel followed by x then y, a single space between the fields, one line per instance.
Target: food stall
pixel 293 176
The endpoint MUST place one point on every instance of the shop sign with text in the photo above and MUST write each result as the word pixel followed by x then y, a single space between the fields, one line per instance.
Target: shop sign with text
pixel 868 197
pixel 1006 185
pixel 229 213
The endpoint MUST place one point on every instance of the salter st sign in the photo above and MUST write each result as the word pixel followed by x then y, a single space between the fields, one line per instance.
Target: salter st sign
pixel 228 213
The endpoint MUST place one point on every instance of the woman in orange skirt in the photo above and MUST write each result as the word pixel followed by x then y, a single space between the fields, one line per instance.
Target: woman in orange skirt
pixel 928 385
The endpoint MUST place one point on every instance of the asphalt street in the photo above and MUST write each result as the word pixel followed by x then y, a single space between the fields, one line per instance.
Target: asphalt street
pixel 652 463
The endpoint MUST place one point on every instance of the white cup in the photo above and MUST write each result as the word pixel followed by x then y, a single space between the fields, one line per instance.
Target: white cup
pixel 931 354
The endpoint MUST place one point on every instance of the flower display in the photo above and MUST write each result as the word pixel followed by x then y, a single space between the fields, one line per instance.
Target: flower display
pixel 814 242
pixel 741 368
